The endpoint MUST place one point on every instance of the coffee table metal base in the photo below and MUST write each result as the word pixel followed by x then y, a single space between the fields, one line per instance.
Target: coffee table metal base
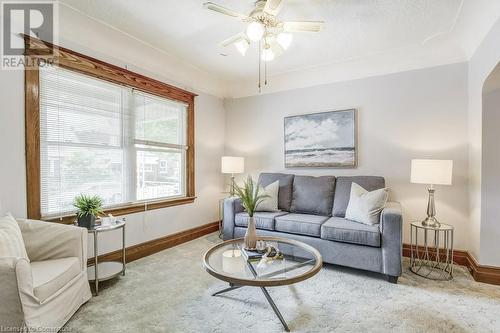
pixel 268 297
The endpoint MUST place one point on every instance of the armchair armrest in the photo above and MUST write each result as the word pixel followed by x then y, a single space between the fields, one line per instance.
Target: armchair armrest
pixel 48 240
pixel 232 206
pixel 391 227
pixel 15 274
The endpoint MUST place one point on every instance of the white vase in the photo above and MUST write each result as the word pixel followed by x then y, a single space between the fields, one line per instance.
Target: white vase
pixel 251 234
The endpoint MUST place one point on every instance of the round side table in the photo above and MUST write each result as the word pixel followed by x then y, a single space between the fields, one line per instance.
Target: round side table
pixel 102 271
pixel 431 252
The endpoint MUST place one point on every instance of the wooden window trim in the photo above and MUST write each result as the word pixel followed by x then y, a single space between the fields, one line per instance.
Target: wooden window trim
pixel 36 50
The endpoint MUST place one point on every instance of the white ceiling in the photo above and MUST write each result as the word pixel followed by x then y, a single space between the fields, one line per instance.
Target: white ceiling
pixel 378 35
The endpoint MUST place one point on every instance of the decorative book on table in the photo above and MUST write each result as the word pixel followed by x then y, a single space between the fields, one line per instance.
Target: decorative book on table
pixel 251 254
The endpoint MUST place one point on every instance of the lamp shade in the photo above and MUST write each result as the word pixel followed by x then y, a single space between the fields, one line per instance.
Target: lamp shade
pixel 433 172
pixel 232 164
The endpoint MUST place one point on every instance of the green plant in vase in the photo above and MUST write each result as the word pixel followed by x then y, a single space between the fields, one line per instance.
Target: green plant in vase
pixel 88 208
pixel 250 197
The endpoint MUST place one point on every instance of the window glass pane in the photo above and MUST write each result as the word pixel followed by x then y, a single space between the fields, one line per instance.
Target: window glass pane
pixel 81 139
pixel 159 174
pixel 159 120
pixel 69 171
pixel 79 109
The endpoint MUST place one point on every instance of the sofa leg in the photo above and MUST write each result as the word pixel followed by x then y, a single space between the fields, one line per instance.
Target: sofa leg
pixel 392 279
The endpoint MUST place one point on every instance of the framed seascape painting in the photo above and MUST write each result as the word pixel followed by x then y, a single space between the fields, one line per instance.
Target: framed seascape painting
pixel 326 139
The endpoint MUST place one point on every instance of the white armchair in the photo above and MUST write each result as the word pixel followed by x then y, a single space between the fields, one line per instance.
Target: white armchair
pixel 43 291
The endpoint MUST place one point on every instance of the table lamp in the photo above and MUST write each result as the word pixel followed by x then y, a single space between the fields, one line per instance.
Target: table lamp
pixel 232 165
pixel 431 172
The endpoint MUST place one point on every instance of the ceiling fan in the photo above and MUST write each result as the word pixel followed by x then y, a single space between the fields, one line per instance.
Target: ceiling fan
pixel 264 27
pixel 274 36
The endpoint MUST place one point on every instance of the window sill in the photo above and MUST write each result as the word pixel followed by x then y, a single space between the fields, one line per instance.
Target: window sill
pixel 129 209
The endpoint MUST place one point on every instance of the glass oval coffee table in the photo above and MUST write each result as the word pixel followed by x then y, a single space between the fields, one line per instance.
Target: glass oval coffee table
pixel 228 262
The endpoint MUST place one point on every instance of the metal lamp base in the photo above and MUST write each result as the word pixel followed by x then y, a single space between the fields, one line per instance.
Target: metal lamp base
pixel 430 220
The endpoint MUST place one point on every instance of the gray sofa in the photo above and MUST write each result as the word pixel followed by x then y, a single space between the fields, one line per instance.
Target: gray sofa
pixel 312 210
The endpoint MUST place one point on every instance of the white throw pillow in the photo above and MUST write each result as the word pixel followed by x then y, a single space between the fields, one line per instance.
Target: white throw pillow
pixel 11 239
pixel 269 204
pixel 364 206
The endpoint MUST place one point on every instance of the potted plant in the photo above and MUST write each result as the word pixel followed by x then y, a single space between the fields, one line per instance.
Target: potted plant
pixel 88 208
pixel 250 199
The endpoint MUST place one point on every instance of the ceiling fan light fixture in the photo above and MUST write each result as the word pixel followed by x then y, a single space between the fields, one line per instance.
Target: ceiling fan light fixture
pixel 242 46
pixel 255 31
pixel 284 39
pixel 277 49
pixel 273 35
pixel 268 54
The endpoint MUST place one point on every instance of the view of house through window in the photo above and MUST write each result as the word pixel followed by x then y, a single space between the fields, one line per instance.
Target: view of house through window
pixel 100 138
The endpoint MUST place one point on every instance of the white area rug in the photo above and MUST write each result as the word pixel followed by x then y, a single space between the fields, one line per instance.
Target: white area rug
pixel 171 292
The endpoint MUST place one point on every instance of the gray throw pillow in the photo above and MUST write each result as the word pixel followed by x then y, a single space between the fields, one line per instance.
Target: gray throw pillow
pixel 313 195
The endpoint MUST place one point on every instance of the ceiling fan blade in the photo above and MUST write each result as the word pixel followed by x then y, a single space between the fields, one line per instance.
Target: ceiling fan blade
pixel 223 10
pixel 303 26
pixel 232 40
pixel 273 7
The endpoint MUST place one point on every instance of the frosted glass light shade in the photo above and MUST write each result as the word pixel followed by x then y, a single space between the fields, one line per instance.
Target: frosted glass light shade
pixel 232 164
pixel 433 172
pixel 268 54
pixel 277 49
pixel 242 46
pixel 255 31
pixel 285 39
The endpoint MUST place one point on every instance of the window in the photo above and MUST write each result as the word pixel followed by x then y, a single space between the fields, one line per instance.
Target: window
pixel 160 136
pixel 100 138
pixel 104 130
pixel 163 167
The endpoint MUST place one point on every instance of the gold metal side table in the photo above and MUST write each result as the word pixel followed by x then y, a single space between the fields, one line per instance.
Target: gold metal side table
pixel 431 252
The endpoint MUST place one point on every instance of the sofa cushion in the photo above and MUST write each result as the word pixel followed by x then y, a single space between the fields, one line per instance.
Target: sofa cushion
pixel 343 190
pixel 11 238
pixel 285 191
pixel 342 230
pixel 313 195
pixel 302 224
pixel 263 220
pixel 49 276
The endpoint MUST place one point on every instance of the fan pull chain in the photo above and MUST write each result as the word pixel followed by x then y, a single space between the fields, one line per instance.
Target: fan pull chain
pixel 265 73
pixel 265 59
pixel 260 89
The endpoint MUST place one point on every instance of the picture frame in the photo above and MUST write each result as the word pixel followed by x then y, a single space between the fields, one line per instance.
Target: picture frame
pixel 325 139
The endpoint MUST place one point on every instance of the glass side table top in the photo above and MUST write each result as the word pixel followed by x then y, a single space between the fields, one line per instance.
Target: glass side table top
pixel 117 224
pixel 442 226
pixel 120 222
pixel 227 262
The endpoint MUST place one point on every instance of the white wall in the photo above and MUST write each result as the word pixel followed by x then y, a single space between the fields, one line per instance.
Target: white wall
pixel 490 188
pixel 481 65
pixel 92 38
pixel 416 114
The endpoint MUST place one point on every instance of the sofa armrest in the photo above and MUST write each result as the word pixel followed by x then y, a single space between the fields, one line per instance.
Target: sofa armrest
pixel 232 206
pixel 48 240
pixel 391 227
